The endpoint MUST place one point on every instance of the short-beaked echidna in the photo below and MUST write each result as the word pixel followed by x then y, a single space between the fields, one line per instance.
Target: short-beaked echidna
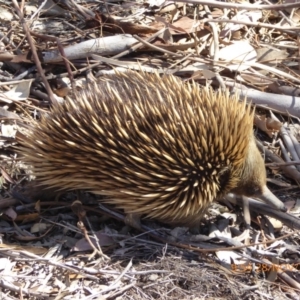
pixel 150 145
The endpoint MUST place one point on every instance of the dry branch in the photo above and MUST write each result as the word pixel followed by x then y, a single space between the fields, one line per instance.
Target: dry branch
pixel 110 45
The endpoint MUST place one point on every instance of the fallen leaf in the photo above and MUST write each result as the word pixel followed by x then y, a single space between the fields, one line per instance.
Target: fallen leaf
pixel 10 213
pixel 235 54
pixel 39 227
pixel 266 124
pixel 20 91
pixel 103 240
pixel 242 16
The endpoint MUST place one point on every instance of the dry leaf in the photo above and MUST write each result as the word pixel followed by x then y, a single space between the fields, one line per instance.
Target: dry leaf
pixel 8 130
pixel 39 227
pixel 11 213
pixel 28 217
pixel 20 91
pixel 35 250
pixel 266 124
pixel 270 56
pixel 243 16
pixel 103 240
pixel 276 224
pixel 235 54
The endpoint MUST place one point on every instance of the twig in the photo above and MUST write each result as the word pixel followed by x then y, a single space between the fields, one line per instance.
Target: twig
pixel 34 53
pixel 12 287
pixel 241 6
pixel 215 53
pixel 96 250
pixel 138 45
pixel 288 169
pixel 290 30
pixel 114 285
pixel 60 48
pixel 156 47
pixel 289 145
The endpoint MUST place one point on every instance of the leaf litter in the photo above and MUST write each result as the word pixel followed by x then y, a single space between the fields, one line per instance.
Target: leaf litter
pixel 53 246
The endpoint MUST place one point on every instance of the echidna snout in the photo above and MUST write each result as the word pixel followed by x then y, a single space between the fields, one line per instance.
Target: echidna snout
pixel 252 182
pixel 149 145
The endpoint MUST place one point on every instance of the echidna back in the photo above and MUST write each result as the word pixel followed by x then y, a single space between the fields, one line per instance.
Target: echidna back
pixel 149 145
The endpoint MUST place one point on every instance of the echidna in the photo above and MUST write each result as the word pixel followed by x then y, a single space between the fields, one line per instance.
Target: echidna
pixel 151 146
